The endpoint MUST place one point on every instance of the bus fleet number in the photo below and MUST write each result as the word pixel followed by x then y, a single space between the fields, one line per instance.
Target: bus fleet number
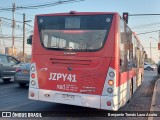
pixel 65 77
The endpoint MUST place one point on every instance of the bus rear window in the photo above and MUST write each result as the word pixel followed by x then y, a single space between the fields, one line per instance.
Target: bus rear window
pixel 79 33
pixel 72 23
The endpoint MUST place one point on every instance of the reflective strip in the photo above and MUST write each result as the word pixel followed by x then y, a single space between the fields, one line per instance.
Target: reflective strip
pixel 106 85
pixel 35 79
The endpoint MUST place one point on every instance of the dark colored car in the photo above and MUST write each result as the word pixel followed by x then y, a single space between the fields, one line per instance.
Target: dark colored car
pixel 8 65
pixel 22 75
pixel 149 67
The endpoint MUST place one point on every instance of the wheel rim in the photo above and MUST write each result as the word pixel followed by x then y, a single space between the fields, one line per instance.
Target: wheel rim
pixel 148 68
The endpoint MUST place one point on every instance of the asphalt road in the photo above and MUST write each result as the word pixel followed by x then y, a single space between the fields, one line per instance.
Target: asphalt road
pixel 14 98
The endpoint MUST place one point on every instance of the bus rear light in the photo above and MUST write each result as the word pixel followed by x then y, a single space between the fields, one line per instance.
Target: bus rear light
pixel 110 82
pixel 33 75
pixel 111 74
pixel 110 90
pixel 33 82
pixel 33 69
pixel 32 94
pixel 108 103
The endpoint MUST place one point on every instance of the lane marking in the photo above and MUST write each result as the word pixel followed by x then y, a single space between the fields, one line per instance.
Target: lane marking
pixel 12 94
pixel 6 87
pixel 17 106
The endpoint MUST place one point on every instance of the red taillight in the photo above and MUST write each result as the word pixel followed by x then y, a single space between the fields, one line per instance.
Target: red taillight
pixel 110 82
pixel 108 103
pixel 18 70
pixel 32 94
pixel 33 75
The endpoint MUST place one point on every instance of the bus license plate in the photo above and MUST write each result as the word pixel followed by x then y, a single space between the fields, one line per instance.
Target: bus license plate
pixel 68 97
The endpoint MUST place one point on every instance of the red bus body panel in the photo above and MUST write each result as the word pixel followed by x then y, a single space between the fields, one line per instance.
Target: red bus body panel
pixel 103 79
pixel 90 68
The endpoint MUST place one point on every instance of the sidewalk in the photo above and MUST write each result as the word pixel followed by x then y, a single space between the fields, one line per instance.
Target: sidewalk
pixel 155 105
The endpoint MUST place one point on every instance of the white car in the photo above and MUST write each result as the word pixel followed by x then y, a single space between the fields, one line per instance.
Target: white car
pixel 148 66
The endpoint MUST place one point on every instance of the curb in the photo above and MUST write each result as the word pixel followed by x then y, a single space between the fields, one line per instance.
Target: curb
pixel 152 108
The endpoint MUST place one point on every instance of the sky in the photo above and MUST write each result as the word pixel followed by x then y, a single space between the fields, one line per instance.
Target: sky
pixel 138 24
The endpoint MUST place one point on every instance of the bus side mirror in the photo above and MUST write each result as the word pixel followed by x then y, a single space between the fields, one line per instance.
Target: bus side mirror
pixel 29 40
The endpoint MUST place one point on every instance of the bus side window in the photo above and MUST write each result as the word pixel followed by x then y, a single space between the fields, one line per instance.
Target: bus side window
pixel 122 45
pixel 129 48
pixel 134 51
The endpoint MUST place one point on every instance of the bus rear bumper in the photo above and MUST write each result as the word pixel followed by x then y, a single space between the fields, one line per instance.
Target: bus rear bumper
pixel 85 100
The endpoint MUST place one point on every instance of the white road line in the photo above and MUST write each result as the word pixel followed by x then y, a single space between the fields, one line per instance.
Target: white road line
pixel 7 87
pixel 16 106
pixel 12 94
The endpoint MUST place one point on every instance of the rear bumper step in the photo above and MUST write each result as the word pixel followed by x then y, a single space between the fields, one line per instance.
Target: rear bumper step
pixel 85 100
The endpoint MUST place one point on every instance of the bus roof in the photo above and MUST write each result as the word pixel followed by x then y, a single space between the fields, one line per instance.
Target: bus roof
pixel 76 13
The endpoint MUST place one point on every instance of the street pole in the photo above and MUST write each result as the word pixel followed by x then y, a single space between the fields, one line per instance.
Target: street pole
pixel 0 38
pixel 24 37
pixel 13 26
pixel 158 43
pixel 159 36
pixel 150 52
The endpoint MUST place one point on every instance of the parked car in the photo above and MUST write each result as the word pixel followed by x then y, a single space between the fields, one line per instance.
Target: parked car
pixel 22 75
pixel 8 65
pixel 149 67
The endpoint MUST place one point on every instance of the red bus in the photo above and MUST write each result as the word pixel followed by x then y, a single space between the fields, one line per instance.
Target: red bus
pixel 89 59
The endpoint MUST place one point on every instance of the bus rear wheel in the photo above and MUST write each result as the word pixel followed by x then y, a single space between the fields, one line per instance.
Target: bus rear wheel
pixel 131 91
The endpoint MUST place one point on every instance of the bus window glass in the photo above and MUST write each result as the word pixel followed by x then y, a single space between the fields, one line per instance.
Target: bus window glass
pixel 129 48
pixel 45 40
pixel 134 51
pixel 79 33
pixel 72 23
pixel 122 50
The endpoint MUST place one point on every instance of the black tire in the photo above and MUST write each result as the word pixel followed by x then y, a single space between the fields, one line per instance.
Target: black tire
pixel 22 84
pixel 141 78
pixel 6 80
pixel 131 91
pixel 149 68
